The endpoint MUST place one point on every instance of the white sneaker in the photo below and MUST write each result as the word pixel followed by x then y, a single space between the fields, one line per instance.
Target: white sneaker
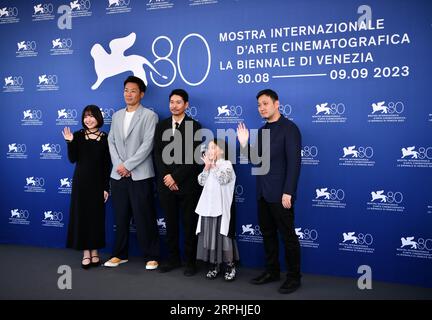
pixel 114 262
pixel 151 265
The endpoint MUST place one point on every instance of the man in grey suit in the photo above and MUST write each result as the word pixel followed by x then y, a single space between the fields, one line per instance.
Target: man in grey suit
pixel 131 143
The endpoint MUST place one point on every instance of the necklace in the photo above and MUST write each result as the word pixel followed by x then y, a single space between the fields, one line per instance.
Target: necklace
pixel 97 133
pixel 88 131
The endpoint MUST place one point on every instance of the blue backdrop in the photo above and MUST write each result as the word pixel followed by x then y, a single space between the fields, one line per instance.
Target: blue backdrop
pixel 355 78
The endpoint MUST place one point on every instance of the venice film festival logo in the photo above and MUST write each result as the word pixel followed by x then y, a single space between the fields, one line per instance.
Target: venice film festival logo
pixel 362 242
pixel 17 151
pixel 108 65
pixel 47 82
pixel 118 6
pixel 161 226
pixel 250 233
pixel 382 112
pixel 50 151
pixel 326 197
pixel 329 113
pixel 52 219
pixel 111 64
pixel 107 114
pixel 80 8
pixel 386 201
pixel 34 184
pixel 307 237
pixel 67 117
pixel 32 117
pixel 410 247
pixel 19 216
pixel 61 46
pixel 309 155
pixel 43 12
pixel 26 49
pixel 13 84
pixel 229 114
pixel 9 15
pixel 192 112
pixel 65 186
pixel 415 157
pixel 357 156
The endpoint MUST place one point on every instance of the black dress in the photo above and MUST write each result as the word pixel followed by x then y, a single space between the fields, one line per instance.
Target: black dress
pixel 91 178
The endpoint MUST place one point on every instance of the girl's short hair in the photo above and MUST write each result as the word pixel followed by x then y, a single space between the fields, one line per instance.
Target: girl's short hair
pixel 94 111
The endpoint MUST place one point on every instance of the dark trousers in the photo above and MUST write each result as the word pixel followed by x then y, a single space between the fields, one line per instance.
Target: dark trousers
pixel 135 199
pixel 273 217
pixel 175 205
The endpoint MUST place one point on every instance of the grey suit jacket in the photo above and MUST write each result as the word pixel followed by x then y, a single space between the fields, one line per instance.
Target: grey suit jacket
pixel 134 150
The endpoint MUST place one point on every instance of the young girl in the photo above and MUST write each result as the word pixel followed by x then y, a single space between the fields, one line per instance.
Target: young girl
pixel 215 226
pixel 88 148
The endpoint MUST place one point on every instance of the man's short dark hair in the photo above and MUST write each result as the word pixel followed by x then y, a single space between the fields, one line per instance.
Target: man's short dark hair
pixel 94 111
pixel 268 92
pixel 138 81
pixel 180 92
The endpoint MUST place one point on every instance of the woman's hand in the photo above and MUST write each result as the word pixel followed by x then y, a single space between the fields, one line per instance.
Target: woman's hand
pixel 106 195
pixel 67 134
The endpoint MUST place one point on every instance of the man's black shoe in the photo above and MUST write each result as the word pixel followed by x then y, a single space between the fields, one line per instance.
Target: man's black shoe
pixel 289 286
pixel 265 278
pixel 190 270
pixel 167 267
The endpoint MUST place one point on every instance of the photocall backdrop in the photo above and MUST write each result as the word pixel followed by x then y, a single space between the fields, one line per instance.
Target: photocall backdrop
pixel 354 76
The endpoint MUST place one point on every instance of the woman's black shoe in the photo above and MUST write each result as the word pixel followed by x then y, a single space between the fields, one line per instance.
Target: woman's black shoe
pixel 86 266
pixel 97 263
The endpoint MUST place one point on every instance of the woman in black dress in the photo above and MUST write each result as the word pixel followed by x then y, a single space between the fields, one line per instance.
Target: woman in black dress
pixel 88 148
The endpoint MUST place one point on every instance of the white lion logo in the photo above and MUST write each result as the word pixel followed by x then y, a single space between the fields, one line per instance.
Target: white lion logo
pixel 379 107
pixel 38 8
pixel 46 148
pixel 350 237
pixel 4 12
pixel 223 110
pixel 75 5
pixel 248 228
pixel 21 45
pixel 27 114
pixel 43 79
pixel 408 241
pixel 299 233
pixel 13 147
pixel 322 193
pixel 161 222
pixel 409 151
pixel 115 2
pixel 110 64
pixel 65 183
pixel 322 108
pixel 48 215
pixel 350 151
pixel 31 181
pixel 57 43
pixel 9 81
pixel 379 195
pixel 15 213
pixel 62 114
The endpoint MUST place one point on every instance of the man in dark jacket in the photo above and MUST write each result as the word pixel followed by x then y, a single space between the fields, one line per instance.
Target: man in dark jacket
pixel 175 143
pixel 276 189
